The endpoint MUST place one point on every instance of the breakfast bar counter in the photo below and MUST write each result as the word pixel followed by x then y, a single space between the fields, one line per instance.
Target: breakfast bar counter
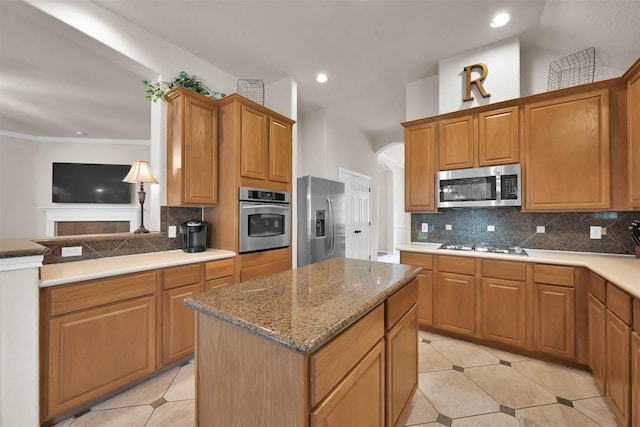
pixel 318 344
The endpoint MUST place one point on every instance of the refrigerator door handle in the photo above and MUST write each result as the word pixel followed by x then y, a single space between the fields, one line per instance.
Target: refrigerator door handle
pixel 333 227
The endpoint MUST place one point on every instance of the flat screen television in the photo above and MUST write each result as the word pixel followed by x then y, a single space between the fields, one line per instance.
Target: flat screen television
pixel 90 183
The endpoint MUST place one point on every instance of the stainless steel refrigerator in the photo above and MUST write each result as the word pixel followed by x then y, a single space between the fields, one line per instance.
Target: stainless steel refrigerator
pixel 321 220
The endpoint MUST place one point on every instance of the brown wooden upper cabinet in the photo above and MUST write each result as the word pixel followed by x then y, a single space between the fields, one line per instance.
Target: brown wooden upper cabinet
pixel 192 149
pixel 420 168
pixel 483 139
pixel 567 152
pixel 633 130
pixel 265 153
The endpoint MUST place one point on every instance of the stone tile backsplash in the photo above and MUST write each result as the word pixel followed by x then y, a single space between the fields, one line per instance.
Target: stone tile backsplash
pixel 566 231
pixel 110 245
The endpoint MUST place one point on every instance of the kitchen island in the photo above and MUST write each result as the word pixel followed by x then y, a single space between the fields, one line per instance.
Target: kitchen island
pixel 332 343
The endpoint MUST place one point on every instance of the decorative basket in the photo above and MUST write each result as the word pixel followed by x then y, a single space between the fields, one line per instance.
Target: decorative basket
pixel 575 69
pixel 252 89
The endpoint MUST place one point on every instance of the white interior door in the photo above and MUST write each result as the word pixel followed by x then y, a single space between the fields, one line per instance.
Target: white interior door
pixel 358 214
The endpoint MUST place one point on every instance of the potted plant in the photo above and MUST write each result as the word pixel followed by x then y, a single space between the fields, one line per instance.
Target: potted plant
pixel 158 90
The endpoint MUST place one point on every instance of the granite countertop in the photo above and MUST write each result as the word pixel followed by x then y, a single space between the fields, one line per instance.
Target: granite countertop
pixel 69 272
pixel 621 270
pixel 306 307
pixel 13 248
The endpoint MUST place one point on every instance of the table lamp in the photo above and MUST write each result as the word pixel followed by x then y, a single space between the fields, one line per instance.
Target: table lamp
pixel 140 173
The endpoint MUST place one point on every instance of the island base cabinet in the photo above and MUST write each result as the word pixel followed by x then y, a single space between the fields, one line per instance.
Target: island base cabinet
pixel 243 379
pixel 358 401
pixel 596 328
pixel 111 346
pixel 402 365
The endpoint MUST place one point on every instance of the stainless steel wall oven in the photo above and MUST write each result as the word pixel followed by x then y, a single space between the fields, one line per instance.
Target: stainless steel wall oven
pixel 264 219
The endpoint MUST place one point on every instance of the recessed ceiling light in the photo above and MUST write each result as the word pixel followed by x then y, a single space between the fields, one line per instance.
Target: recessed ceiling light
pixel 81 133
pixel 500 20
pixel 322 78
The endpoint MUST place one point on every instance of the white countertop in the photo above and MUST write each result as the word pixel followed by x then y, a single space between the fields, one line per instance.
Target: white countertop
pixel 69 272
pixel 621 270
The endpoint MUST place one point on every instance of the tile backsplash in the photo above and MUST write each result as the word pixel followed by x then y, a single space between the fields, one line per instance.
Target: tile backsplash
pixel 566 231
pixel 110 245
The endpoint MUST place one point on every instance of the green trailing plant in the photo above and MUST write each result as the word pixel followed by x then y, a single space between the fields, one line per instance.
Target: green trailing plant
pixel 158 90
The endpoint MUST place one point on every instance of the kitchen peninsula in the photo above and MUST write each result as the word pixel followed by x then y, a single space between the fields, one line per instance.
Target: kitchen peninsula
pixel 332 343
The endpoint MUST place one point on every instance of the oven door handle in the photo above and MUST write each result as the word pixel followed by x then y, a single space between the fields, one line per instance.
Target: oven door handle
pixel 265 206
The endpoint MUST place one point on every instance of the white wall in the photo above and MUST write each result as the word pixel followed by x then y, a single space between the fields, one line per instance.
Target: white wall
pixel 17 187
pixel 25 177
pixel 422 98
pixel 502 82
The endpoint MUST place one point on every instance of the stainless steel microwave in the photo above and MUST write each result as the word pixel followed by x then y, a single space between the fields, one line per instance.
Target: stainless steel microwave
pixel 490 186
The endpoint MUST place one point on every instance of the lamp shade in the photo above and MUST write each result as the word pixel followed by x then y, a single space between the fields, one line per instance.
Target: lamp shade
pixel 140 172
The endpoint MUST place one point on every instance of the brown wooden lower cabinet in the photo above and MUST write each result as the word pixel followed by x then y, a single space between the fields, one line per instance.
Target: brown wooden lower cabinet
pixel 504 311
pixel 402 366
pixel 553 320
pixel 596 331
pixel 425 297
pixel 101 335
pixel 359 398
pixel 618 367
pixel 635 375
pixel 455 303
pixel 178 328
pixel 95 351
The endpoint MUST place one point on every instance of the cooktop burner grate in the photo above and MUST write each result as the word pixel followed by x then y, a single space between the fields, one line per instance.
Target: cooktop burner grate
pixel 509 250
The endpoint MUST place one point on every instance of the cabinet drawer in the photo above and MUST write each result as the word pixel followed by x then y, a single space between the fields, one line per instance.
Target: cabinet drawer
pixel 216 269
pixel 399 303
pixel 598 287
pixel 421 260
pixel 334 360
pixel 507 270
pixel 180 276
pixel 619 302
pixel 458 265
pixel 102 291
pixel 553 274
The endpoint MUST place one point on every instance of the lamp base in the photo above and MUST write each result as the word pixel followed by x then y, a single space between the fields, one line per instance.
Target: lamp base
pixel 141 229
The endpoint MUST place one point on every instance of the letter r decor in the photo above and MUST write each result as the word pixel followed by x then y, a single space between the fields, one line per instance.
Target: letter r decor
pixel 477 82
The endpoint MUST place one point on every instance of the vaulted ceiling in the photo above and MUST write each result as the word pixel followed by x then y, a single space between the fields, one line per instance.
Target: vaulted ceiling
pixel 54 81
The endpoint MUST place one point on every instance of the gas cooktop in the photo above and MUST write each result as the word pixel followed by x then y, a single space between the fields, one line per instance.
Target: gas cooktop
pixel 509 250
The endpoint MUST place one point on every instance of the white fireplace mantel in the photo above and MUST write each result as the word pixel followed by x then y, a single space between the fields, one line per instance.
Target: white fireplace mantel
pixel 90 213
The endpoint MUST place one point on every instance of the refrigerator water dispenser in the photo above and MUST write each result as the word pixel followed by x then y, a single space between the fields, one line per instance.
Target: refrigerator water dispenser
pixel 320 223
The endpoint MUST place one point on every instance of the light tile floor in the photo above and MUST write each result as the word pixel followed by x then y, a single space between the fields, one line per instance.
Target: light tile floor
pixel 460 385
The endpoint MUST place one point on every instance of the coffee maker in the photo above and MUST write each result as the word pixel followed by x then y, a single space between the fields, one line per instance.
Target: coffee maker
pixel 194 236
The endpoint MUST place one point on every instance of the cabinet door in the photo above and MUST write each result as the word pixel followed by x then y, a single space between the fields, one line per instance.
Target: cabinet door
pixel 618 339
pixel 425 297
pixel 279 151
pixel 633 129
pixel 455 303
pixel 567 153
pixel 420 167
pixel 402 365
pixel 200 153
pixel 178 327
pixel 96 351
pixel 456 143
pixel 553 320
pixel 504 309
pixel 358 400
pixel 596 328
pixel 498 137
pixel 635 375
pixel 254 143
